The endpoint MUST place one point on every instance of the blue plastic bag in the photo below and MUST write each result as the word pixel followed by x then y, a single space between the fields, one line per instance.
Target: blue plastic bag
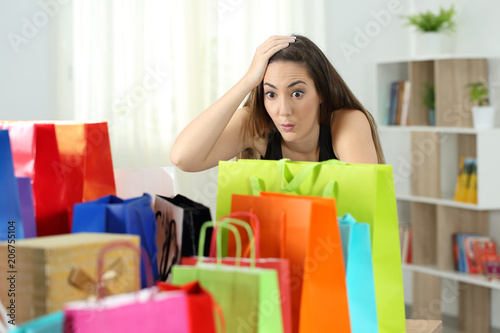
pixel 11 224
pixel 356 247
pixel 112 214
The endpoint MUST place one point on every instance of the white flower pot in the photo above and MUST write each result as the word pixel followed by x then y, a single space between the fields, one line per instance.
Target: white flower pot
pixel 431 43
pixel 483 117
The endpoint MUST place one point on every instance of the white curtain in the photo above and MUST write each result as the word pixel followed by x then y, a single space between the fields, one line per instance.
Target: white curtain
pixel 148 67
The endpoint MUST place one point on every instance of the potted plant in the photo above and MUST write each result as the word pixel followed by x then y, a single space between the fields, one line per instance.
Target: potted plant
pixel 482 113
pixel 430 102
pixel 432 29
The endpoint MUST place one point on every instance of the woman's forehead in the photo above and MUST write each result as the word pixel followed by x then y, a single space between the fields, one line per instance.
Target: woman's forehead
pixel 280 74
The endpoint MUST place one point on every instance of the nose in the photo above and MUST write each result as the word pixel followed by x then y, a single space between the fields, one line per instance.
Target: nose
pixel 285 109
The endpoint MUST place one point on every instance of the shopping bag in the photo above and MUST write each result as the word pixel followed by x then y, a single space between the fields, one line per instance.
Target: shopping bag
pixel 281 265
pixel 179 221
pixel 131 183
pixel 201 306
pixel 53 270
pixel 357 252
pixel 114 215
pixel 36 155
pixel 145 311
pixel 68 162
pixel 304 230
pixel 249 296
pixel 49 323
pixel 365 190
pixel 86 164
pixel 10 208
pixel 27 207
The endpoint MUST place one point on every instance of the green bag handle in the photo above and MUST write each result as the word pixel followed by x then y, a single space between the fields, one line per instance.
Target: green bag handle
pixel 289 184
pixel 226 223
pixel 201 241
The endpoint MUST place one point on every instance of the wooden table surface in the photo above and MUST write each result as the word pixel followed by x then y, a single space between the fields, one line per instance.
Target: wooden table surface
pixel 423 326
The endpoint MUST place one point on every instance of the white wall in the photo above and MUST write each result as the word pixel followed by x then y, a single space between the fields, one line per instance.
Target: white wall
pixel 30 60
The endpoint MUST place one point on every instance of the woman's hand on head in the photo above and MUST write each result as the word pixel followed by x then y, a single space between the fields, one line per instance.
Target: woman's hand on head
pixel 264 52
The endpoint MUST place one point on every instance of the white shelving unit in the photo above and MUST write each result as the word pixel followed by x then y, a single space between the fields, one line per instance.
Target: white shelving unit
pixel 478 280
pixel 425 161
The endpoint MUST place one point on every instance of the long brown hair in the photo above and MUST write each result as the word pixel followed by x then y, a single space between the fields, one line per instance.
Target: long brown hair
pixel 333 91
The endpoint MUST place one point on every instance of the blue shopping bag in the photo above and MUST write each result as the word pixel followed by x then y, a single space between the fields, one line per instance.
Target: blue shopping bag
pixel 50 323
pixel 357 251
pixel 114 215
pixel 11 224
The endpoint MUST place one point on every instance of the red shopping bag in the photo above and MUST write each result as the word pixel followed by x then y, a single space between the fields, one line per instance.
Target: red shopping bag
pixel 281 265
pixel 305 231
pixel 36 155
pixel 201 306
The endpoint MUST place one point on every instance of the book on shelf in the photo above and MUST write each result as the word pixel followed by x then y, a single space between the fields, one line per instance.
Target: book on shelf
pixel 474 254
pixel 399 103
pixel 466 185
pixel 405 239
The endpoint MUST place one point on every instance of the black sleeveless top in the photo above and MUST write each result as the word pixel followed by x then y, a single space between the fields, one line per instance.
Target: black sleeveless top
pixel 273 151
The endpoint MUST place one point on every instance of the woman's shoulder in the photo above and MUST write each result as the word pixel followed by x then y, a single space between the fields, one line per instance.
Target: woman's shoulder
pixel 352 138
pixel 343 116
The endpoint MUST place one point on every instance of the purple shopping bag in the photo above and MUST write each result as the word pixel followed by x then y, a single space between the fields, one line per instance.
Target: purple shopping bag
pixel 27 208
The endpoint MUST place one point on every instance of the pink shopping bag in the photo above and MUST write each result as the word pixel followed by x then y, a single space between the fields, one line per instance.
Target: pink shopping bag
pixel 146 311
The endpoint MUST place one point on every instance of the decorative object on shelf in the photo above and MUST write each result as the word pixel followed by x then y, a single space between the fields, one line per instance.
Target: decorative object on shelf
pixel 466 186
pixel 483 114
pixel 430 102
pixel 434 30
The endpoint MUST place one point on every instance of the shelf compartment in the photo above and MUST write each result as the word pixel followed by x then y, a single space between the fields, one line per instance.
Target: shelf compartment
pixel 426 163
pixel 420 73
pixel 423 222
pixel 453 107
pixel 452 220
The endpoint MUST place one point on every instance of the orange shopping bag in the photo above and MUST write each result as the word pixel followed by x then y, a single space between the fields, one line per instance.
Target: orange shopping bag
pixel 304 230
pixel 86 163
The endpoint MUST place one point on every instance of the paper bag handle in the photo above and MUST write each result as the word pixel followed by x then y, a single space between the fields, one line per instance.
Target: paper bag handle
pixel 201 242
pixel 141 254
pixel 291 184
pixel 255 226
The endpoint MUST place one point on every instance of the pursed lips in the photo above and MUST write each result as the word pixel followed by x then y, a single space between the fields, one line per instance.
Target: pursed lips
pixel 287 127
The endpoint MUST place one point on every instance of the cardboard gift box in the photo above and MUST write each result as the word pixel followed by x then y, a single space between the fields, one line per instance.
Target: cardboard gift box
pixel 39 275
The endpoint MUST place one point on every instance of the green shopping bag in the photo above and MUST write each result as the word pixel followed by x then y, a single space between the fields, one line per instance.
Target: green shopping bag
pixel 249 296
pixel 366 191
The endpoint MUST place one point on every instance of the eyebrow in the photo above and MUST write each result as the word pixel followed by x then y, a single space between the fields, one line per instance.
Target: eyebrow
pixel 289 86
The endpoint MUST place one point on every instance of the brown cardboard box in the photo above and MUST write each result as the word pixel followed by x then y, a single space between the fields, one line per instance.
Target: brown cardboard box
pixel 38 282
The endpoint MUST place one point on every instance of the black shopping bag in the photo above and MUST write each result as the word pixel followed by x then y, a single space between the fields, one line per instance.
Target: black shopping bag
pixel 179 220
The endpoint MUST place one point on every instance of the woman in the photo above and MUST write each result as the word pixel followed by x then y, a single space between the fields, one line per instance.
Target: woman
pixel 298 108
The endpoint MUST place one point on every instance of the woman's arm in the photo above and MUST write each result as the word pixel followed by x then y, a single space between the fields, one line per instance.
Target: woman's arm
pixel 216 133
pixel 352 137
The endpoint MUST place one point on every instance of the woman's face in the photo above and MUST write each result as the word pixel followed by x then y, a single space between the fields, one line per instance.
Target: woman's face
pixel 291 100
